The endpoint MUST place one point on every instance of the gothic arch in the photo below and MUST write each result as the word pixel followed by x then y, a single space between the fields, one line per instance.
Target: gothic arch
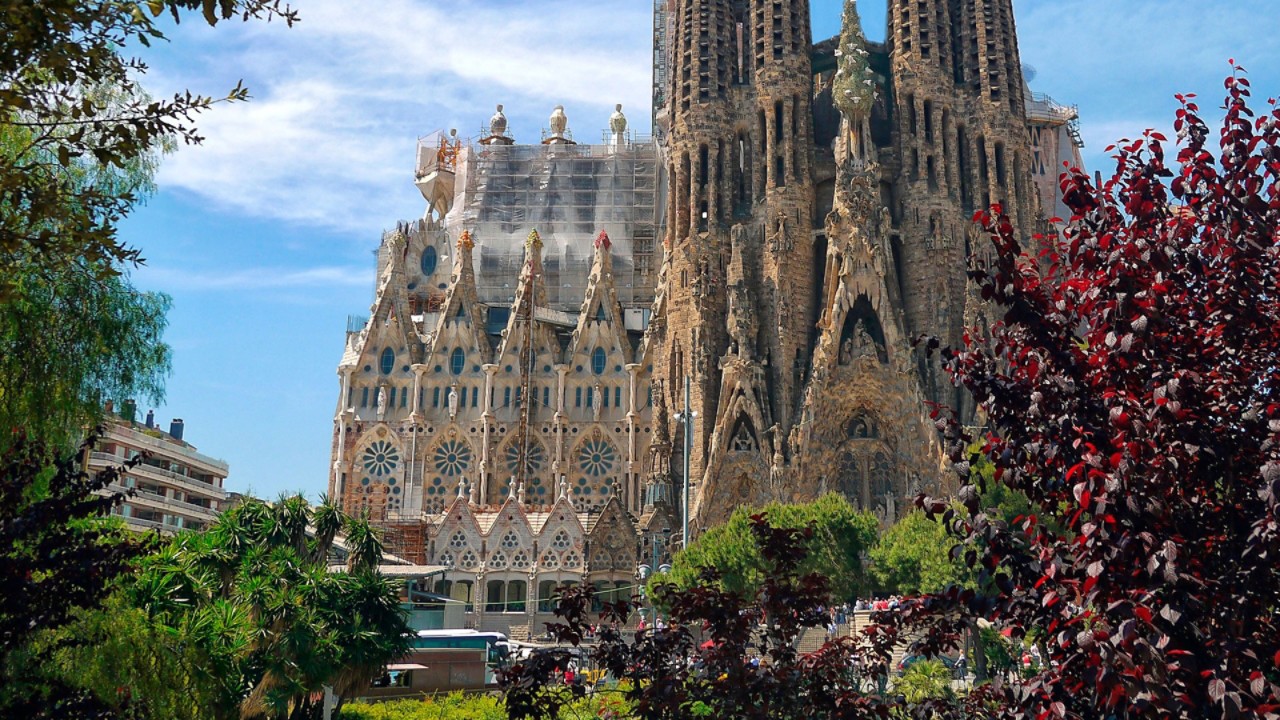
pixel 862 334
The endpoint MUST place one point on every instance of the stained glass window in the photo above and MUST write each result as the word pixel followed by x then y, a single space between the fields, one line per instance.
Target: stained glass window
pixel 597 457
pixel 388 361
pixel 457 361
pixel 381 458
pixel 452 458
pixel 429 260
pixel 598 360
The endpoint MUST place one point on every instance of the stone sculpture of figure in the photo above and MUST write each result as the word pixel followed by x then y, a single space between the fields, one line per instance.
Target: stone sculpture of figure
pixel 498 123
pixel 382 402
pixel 866 345
pixel 846 351
pixel 453 402
pixel 559 121
pixel 618 121
pixel 599 403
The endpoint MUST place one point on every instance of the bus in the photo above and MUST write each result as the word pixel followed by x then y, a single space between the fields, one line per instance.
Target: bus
pixel 494 645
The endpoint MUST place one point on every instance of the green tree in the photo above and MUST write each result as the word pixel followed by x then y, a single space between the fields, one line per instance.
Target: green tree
pixel 71 339
pixel 58 558
pixel 72 111
pixel 914 556
pixel 246 620
pixel 842 536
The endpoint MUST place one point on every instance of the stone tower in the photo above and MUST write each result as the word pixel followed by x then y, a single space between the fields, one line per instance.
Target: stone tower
pixel 819 220
pixel 739 218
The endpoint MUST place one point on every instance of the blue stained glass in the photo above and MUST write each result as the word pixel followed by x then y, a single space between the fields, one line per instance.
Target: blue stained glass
pixel 457 361
pixel 429 260
pixel 388 362
pixel 597 457
pixel 598 360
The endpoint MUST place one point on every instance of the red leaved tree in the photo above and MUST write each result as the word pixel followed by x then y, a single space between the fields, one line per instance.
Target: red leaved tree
pixel 1131 392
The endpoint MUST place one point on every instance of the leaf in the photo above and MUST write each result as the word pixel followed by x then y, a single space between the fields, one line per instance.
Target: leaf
pixel 1217 690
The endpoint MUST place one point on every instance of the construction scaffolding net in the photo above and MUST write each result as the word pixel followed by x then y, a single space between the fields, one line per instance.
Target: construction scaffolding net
pixel 568 193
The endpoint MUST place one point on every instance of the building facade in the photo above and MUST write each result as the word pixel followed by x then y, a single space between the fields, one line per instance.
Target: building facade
pixel 174 486
pixel 514 406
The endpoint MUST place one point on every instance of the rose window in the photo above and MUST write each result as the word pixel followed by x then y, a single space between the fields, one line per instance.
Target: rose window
pixel 597 457
pixel 458 541
pixel 561 541
pixel 535 458
pixel 452 458
pixel 468 561
pixel 381 458
pixel 572 561
pixel 520 561
pixel 510 542
pixel 498 560
pixel 549 561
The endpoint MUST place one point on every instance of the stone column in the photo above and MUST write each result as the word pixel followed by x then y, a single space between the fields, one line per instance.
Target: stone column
pixel 480 493
pixel 335 485
pixel 632 499
pixel 415 415
pixel 713 187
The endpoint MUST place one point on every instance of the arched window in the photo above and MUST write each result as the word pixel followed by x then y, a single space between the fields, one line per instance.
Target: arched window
pixel 597 361
pixel 457 361
pixel 429 260
pixel 388 362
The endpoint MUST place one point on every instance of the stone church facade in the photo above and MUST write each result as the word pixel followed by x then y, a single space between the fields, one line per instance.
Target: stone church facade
pixel 511 407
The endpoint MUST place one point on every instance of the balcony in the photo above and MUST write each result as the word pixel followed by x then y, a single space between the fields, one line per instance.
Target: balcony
pixel 98 460
pixel 157 501
pixel 165 448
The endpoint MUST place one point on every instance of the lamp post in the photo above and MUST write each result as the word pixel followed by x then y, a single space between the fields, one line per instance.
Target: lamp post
pixel 686 417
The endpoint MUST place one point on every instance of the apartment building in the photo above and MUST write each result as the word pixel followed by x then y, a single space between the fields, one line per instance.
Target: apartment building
pixel 175 487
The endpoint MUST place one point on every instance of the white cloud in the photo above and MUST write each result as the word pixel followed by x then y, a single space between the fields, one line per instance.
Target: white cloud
pixel 260 278
pixel 340 99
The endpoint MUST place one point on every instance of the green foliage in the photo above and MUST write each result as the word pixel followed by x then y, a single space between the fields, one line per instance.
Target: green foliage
pixel 914 556
pixel 71 339
pixel 1001 654
pixel 72 111
pixel 455 706
pixel 925 680
pixel 247 620
pixel 57 559
pixel 460 706
pixel 842 535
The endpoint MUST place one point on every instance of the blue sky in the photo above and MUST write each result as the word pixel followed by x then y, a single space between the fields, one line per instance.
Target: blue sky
pixel 264 235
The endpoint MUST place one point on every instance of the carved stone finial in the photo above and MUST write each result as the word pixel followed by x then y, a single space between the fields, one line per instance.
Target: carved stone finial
pixel 559 121
pixel 602 240
pixel 533 242
pixel 618 121
pixel 498 123
pixel 465 241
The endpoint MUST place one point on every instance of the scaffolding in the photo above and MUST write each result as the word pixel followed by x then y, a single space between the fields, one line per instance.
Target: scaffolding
pixel 568 193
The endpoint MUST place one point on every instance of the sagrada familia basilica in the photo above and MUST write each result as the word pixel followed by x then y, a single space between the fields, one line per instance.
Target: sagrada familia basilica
pixel 584 347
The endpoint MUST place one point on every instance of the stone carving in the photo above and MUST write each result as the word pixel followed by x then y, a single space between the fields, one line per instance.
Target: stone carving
pixel 498 123
pixel 559 122
pixel 618 121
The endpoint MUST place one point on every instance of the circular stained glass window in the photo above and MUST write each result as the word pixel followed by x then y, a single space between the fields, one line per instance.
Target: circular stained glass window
pixel 381 458
pixel 452 458
pixel 533 460
pixel 597 457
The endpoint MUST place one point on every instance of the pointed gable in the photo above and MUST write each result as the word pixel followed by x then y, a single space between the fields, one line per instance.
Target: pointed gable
pixel 531 294
pixel 600 322
pixel 460 319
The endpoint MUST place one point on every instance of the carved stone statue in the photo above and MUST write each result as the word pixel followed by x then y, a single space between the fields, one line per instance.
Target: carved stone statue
pixel 846 351
pixel 382 402
pixel 618 121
